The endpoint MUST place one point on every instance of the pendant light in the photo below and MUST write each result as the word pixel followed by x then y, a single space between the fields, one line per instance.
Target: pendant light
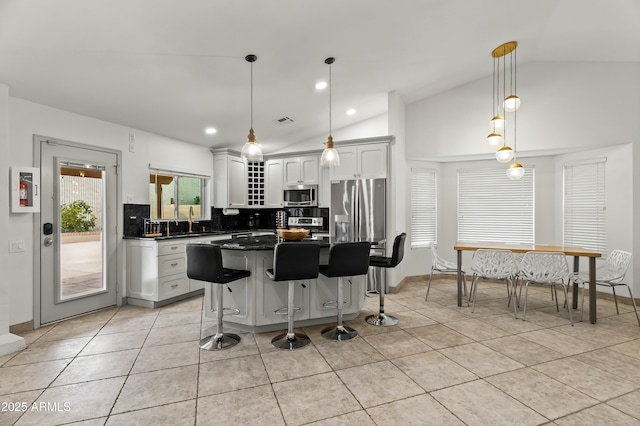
pixel 512 102
pixel 330 156
pixel 494 139
pixel 251 151
pixel 515 170
pixel 505 153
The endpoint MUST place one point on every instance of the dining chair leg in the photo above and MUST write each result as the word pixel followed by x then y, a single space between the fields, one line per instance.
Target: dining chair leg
pixel 633 302
pixel 429 285
pixel 474 290
pixel 556 293
pixel 566 298
pixel 582 307
pixel 526 293
pixel 615 299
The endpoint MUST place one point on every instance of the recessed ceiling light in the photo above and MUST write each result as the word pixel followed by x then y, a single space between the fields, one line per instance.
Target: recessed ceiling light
pixel 351 111
pixel 210 131
pixel 321 85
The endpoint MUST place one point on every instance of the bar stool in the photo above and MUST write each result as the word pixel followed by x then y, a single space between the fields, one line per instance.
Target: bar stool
pixel 293 261
pixel 382 319
pixel 345 260
pixel 204 263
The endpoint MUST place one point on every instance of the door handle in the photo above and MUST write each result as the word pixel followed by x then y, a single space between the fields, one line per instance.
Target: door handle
pixel 47 242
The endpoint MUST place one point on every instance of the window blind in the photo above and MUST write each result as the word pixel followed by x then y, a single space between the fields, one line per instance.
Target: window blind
pixel 584 205
pixel 423 207
pixel 491 207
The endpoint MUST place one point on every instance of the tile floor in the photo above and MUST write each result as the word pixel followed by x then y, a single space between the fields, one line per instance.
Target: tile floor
pixel 441 365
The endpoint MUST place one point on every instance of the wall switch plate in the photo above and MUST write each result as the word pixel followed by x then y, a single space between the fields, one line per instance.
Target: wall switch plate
pixel 16 246
pixel 132 147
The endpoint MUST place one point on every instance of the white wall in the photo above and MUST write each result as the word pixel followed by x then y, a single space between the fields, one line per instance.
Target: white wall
pixel 25 120
pixel 590 109
pixel 376 126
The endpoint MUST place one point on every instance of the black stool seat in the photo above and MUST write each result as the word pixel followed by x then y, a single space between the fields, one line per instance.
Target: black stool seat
pixel 293 261
pixel 204 263
pixel 345 260
pixel 382 319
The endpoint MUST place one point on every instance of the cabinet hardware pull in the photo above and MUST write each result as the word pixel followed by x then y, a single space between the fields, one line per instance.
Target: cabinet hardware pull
pixel 174 285
pixel 174 247
pixel 174 264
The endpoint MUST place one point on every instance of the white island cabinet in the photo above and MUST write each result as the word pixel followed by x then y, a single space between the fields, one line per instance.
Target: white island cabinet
pixel 261 303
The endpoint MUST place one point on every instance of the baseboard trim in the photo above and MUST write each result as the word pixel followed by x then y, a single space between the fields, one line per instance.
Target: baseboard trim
pixel 23 327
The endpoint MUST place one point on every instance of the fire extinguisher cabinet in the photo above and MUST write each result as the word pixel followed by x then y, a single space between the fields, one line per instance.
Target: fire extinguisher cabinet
pixel 25 190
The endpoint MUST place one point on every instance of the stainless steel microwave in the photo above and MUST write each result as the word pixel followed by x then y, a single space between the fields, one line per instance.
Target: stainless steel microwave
pixel 301 196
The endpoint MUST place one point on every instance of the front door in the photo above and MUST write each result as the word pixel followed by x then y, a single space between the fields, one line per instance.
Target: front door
pixel 77 230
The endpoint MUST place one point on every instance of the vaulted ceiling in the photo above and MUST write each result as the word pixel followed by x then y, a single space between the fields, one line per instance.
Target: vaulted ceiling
pixel 175 67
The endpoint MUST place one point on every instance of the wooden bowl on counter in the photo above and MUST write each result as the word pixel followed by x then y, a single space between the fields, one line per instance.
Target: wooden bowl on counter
pixel 293 234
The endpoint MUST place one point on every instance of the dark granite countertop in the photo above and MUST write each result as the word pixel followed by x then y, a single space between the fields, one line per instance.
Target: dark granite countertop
pixel 263 242
pixel 179 235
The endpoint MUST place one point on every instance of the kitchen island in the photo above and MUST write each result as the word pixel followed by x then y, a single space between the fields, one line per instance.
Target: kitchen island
pixel 257 299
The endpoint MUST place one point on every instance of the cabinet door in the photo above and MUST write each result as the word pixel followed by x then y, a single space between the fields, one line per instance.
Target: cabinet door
pixel 348 164
pixel 274 178
pixel 220 193
pixel 237 182
pixel 324 187
pixel 372 161
pixel 309 169
pixel 292 171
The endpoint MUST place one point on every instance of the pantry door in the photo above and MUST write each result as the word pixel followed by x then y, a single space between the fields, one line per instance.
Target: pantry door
pixel 77 235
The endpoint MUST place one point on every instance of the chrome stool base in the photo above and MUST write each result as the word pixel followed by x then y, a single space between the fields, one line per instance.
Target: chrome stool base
pixel 341 332
pixel 382 320
pixel 290 341
pixel 217 342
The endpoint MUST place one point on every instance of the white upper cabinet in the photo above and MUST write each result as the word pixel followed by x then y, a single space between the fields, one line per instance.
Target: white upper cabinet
pixel 301 170
pixel 367 161
pixel 229 181
pixel 274 178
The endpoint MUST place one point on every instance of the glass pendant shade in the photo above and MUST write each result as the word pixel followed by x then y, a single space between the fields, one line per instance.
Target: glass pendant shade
pixel 251 151
pixel 330 156
pixel 511 103
pixel 494 140
pixel 515 171
pixel 504 154
pixel 498 123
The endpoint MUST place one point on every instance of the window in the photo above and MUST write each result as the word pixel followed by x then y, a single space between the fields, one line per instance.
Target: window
pixel 584 205
pixel 423 207
pixel 491 207
pixel 172 195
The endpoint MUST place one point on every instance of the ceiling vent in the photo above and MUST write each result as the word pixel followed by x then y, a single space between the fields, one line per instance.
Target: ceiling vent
pixel 283 121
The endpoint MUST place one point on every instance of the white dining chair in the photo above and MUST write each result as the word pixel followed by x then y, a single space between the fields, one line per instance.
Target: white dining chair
pixel 438 264
pixel 545 268
pixel 493 265
pixel 610 275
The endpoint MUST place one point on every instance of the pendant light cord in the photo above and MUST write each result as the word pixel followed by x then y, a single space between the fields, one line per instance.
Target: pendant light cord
pixel 504 95
pixel 330 85
pixel 251 85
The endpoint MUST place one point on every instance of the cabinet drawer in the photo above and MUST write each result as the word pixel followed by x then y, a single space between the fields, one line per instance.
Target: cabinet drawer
pixel 172 286
pixel 172 265
pixel 171 248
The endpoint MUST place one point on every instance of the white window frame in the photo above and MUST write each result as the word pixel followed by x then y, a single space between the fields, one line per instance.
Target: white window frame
pixel 493 208
pixel 423 207
pixel 584 205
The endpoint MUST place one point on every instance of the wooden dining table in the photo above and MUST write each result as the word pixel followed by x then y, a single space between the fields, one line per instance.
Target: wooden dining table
pixel 576 252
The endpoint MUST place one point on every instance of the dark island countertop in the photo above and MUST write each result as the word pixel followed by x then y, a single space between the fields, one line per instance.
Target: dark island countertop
pixel 264 242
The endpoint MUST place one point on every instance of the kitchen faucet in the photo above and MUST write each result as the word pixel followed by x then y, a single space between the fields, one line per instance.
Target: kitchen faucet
pixel 190 218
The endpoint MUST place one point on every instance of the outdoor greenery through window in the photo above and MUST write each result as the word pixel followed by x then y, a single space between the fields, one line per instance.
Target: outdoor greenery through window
pixel 423 207
pixel 172 195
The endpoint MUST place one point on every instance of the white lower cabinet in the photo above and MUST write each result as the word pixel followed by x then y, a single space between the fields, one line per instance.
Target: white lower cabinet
pixel 157 270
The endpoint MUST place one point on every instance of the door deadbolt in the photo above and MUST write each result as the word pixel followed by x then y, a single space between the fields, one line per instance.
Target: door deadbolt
pixel 48 242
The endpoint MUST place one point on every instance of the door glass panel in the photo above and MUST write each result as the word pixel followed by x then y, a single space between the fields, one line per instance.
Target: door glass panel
pixel 81 194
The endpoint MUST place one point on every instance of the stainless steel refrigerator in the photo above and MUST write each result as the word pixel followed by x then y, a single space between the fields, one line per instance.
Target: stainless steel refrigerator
pixel 358 213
